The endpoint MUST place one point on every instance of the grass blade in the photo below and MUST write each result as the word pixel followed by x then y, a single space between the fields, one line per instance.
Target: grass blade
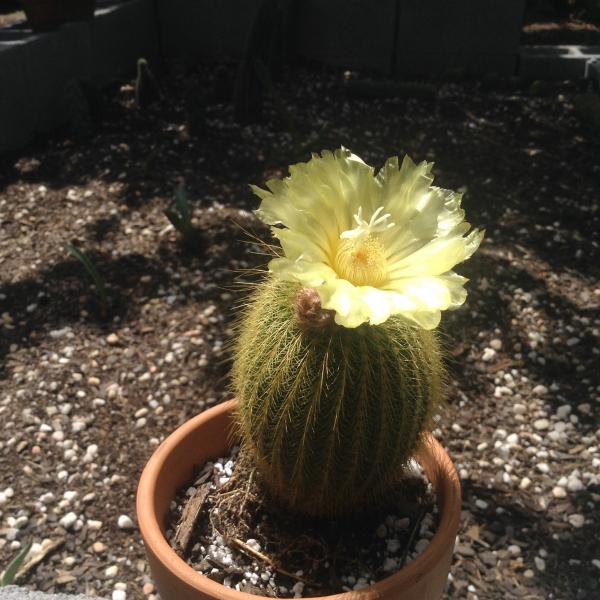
pixel 84 259
pixel 9 574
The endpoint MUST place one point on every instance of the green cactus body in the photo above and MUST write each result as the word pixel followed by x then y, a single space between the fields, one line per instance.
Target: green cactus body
pixel 331 415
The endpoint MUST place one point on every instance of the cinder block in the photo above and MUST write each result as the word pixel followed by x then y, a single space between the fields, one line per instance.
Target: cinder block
pixel 121 34
pixel 35 68
pixel 479 36
pixel 555 63
pixel 350 33
pixel 13 592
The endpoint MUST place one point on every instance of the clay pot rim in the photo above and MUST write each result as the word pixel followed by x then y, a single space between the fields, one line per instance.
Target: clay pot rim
pixel 449 507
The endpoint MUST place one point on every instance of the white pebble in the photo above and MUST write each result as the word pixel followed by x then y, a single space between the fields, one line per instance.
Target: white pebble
pixel 68 520
pixel 119 595
pixel 125 522
pixel 574 484
pixel 488 355
pixel 111 571
pixel 496 344
pixel 576 520
pixel 525 483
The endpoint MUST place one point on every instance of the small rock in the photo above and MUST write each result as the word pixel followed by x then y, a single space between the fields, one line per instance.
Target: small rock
pixel 488 355
pixel 119 595
pixel 562 412
pixel 525 483
pixel 68 520
pixel 125 522
pixel 559 492
pixel 514 550
pixel 112 339
pixel 98 547
pixel 465 550
pixel 496 344
pixel 574 484
pixel 111 571
pixel 541 424
pixel 576 520
pixel 540 563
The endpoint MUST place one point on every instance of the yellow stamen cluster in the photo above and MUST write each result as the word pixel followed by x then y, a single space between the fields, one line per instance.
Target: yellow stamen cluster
pixel 361 261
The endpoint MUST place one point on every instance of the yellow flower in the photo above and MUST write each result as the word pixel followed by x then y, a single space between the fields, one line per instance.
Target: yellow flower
pixel 371 245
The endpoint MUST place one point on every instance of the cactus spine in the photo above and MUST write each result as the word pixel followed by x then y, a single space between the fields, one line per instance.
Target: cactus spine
pixel 330 414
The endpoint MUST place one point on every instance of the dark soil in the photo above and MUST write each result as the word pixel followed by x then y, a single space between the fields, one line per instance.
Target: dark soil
pixel 86 399
pixel 318 553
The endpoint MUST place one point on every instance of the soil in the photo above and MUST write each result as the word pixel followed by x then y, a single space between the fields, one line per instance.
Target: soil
pixel 84 400
pixel 229 510
pixel 561 33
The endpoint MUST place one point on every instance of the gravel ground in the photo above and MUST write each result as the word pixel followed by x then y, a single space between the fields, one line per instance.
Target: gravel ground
pixel 85 400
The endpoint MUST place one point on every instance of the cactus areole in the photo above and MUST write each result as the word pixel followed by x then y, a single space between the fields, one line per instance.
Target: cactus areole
pixel 336 366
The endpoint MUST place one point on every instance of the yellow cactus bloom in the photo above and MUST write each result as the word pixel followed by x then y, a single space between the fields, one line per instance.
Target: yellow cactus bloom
pixel 371 245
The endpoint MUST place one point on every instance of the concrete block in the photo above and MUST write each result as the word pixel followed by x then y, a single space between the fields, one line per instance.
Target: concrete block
pixel 35 68
pixel 592 70
pixel 350 33
pixel 13 592
pixel 205 29
pixel 555 63
pixel 120 34
pixel 479 36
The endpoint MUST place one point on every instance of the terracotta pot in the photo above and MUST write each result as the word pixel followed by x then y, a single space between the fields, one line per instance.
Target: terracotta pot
pixel 45 15
pixel 206 437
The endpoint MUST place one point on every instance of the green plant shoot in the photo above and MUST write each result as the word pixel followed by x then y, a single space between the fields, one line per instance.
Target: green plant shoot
pixel 92 272
pixel 10 573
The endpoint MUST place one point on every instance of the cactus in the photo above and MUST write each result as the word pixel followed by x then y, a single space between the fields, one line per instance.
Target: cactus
pixel 330 414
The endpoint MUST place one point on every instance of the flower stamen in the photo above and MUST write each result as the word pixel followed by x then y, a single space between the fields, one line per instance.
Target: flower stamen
pixel 376 224
pixel 361 261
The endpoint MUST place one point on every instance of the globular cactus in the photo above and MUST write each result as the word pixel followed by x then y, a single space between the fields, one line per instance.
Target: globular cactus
pixel 330 414
pixel 336 367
